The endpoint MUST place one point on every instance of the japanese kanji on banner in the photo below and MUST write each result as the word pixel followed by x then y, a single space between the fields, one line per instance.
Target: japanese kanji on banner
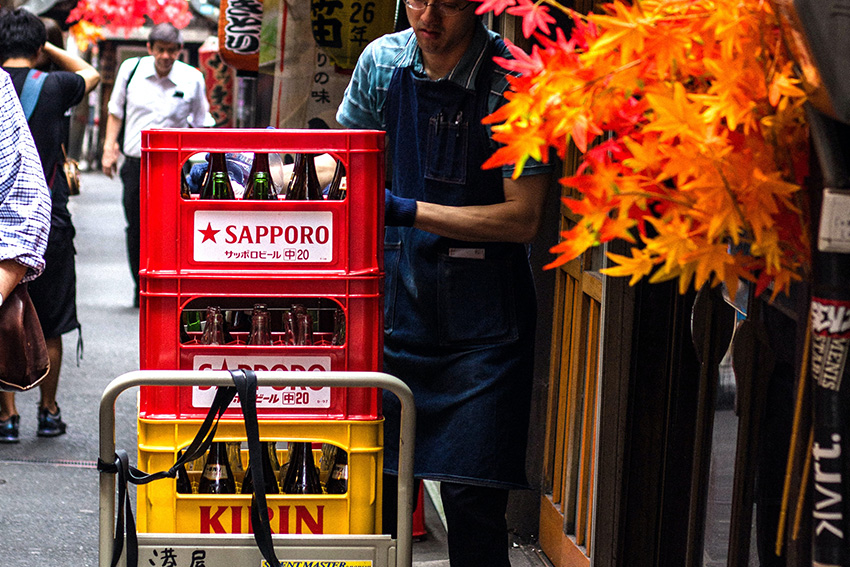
pixel 239 24
pixel 220 79
pixel 342 28
pixel 309 82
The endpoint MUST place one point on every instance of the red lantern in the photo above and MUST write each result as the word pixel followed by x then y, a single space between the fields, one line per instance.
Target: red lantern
pixel 239 24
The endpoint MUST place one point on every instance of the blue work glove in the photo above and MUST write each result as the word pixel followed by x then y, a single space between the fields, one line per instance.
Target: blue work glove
pixel 398 211
pixel 238 168
pixel 196 176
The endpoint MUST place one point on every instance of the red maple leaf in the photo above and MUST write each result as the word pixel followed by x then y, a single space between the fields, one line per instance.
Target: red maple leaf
pixel 534 17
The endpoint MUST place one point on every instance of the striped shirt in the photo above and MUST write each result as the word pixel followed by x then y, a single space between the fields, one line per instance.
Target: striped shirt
pixel 24 197
pixel 363 105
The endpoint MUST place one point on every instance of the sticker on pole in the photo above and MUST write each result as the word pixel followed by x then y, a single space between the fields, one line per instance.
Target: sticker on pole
pixel 834 230
pixel 263 236
pixel 267 396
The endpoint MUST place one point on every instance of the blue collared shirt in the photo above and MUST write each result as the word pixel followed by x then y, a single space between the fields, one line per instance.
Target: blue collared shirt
pixel 24 197
pixel 363 105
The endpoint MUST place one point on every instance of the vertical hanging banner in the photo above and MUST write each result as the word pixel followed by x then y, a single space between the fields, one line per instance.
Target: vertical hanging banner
pixel 239 24
pixel 309 81
pixel 219 78
pixel 342 28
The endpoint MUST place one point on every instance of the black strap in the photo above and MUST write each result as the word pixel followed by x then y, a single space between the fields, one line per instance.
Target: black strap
pixel 246 386
pixel 126 94
pixel 125 524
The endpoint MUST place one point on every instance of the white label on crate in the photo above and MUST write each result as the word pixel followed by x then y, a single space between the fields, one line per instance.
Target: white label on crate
pixel 263 236
pixel 267 396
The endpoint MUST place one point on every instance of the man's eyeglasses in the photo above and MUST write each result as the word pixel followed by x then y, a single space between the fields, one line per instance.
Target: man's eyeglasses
pixel 443 8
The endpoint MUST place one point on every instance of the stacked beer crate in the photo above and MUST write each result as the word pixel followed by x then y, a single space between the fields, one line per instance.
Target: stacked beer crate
pixel 322 257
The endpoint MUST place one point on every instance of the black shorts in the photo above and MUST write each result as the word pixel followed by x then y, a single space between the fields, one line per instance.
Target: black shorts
pixel 54 292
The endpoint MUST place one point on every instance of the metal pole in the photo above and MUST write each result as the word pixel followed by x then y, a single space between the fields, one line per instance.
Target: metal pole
pixel 404 550
pixel 830 306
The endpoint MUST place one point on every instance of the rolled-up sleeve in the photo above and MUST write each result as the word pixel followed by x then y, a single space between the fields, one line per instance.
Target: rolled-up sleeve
pixel 361 104
pixel 24 197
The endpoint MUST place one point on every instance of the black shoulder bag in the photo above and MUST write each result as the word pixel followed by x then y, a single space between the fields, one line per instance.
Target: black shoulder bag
pixel 246 386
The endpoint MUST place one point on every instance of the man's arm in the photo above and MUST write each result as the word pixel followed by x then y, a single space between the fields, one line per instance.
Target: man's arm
pixel 516 220
pixel 74 64
pixel 10 274
pixel 110 145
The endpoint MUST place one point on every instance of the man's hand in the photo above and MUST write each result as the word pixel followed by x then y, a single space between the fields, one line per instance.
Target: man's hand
pixel 109 160
pixel 111 149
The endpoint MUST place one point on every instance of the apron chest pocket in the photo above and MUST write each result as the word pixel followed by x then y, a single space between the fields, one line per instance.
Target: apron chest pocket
pixel 447 149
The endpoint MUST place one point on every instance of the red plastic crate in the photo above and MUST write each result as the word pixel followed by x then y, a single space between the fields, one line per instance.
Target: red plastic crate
pixel 192 236
pixel 164 298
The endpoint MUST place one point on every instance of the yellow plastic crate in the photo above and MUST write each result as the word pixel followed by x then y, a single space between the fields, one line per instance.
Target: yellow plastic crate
pixel 162 510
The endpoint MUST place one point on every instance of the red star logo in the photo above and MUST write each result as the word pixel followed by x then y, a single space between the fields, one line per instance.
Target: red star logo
pixel 209 233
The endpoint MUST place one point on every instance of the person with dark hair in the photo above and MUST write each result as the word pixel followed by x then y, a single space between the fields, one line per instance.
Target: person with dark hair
pixel 47 97
pixel 460 308
pixel 54 36
pixel 157 91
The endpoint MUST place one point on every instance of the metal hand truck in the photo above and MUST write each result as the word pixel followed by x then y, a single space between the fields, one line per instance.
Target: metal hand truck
pixel 356 550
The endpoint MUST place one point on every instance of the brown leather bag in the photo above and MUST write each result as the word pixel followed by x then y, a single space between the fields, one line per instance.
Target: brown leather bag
pixel 71 170
pixel 23 352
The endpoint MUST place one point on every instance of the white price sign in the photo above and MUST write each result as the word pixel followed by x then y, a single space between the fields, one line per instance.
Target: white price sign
pixel 267 396
pixel 263 236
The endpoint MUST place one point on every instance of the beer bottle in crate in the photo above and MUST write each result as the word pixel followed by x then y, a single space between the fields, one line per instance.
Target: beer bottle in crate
pixel 303 329
pixel 337 482
pixel 260 327
pixel 260 186
pixel 183 484
pixel 336 191
pixel 288 337
pixel 297 189
pixel 301 474
pixel 234 457
pixel 217 477
pixel 314 189
pixel 218 181
pixel 269 476
pixel 214 327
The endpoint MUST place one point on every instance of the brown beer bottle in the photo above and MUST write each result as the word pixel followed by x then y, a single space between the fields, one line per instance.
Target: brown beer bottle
pixel 269 476
pixel 297 189
pixel 336 191
pixel 260 186
pixel 183 483
pixel 304 329
pixel 214 327
pixel 314 190
pixel 260 326
pixel 301 474
pixel 338 479
pixel 218 182
pixel 217 477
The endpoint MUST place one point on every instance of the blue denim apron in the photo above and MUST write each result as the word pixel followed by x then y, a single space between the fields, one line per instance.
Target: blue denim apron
pixel 459 316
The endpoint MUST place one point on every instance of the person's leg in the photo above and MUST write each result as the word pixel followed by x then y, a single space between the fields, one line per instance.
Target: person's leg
pixel 130 177
pixel 50 422
pixel 9 418
pixel 49 385
pixel 477 528
pixel 7 405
